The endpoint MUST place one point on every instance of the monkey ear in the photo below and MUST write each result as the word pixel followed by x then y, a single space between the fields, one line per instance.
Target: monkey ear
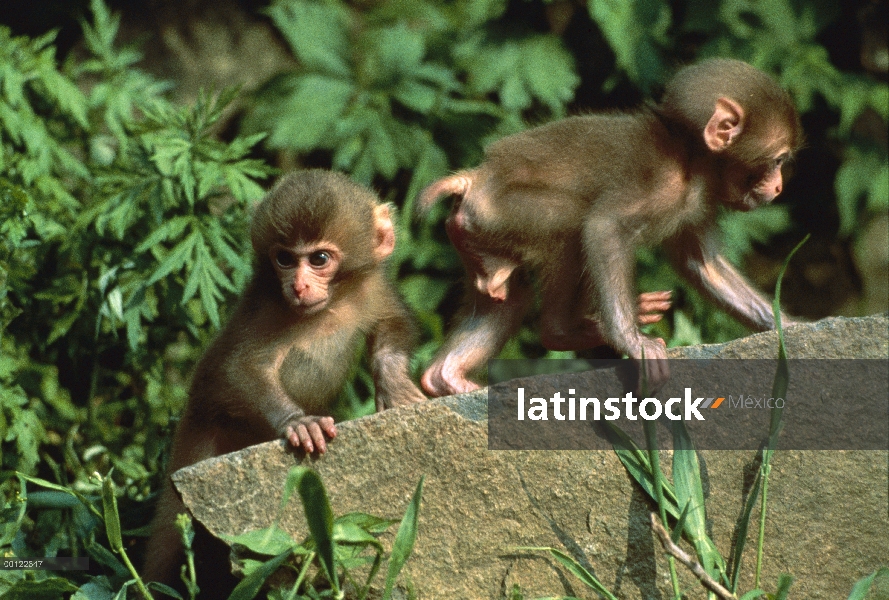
pixel 725 125
pixel 384 241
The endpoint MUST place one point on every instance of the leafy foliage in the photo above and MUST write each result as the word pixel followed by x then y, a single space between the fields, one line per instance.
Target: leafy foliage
pixel 122 233
pixel 346 544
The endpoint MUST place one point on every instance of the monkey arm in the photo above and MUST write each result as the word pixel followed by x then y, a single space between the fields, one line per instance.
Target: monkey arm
pixel 390 345
pixel 696 258
pixel 610 257
pixel 610 264
pixel 258 400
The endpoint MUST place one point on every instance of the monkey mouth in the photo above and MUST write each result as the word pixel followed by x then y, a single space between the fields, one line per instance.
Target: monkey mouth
pixel 752 200
pixel 305 307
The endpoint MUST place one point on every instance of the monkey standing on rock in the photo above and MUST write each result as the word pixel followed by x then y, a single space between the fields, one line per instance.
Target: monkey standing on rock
pixel 572 201
pixel 319 288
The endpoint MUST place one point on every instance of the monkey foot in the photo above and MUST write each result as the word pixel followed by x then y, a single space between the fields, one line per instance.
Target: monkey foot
pixel 437 382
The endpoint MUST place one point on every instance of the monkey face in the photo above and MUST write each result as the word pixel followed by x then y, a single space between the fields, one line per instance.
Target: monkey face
pixel 749 188
pixel 305 272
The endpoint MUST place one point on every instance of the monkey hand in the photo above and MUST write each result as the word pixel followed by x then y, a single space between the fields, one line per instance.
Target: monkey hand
pixel 651 357
pixel 309 433
pixel 652 305
pixel 404 395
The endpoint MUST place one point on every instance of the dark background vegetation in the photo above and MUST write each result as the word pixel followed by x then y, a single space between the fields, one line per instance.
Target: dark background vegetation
pixel 127 171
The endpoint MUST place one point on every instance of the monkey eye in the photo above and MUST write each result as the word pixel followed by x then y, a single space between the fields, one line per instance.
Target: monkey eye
pixel 319 258
pixel 284 259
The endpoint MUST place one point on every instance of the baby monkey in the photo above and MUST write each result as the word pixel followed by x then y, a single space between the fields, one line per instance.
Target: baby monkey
pixel 319 288
pixel 572 201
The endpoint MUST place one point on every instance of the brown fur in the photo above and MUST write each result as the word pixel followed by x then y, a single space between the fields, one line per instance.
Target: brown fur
pixel 572 201
pixel 278 364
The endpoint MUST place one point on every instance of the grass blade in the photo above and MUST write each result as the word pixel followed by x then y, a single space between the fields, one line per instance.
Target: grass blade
pixel 404 539
pixel 779 390
pixel 319 517
pixel 249 587
pixel 862 587
pixel 575 568
pixel 690 493
pixel 658 481
pixel 637 464
pixel 742 529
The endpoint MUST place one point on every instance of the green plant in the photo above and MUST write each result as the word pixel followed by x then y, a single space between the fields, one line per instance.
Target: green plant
pixel 98 504
pixel 338 545
pixel 122 223
pixel 683 500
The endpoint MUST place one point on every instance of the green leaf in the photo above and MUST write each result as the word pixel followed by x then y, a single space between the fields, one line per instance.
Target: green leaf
pixel 222 243
pixel 176 259
pixel 549 73
pixel 68 96
pixel 317 33
pixel 635 30
pixel 473 13
pixel 157 586
pixel 369 523
pixel 249 587
pixel 312 109
pixel 743 527
pixel 690 494
pixel 534 67
pixel 784 583
pixel 105 557
pixel 416 96
pixel 741 230
pixel 576 569
pixel 97 588
pixel 422 293
pixel 637 464
pixel 112 518
pixel 51 588
pixel 383 148
pixel 318 516
pixel 676 534
pixel 404 540
pixel 858 178
pixel 862 587
pixel 397 50
pixel 238 177
pixel 878 193
pixel 169 230
pixel 351 533
pixel 271 541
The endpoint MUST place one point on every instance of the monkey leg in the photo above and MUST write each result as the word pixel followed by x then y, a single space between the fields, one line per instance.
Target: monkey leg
pixel 564 324
pixel 194 441
pixel 164 553
pixel 486 325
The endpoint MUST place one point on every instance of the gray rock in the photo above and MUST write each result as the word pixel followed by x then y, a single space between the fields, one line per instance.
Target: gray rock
pixel 828 513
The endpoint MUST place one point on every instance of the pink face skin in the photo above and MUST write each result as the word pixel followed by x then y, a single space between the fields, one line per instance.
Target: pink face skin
pixel 305 272
pixel 746 198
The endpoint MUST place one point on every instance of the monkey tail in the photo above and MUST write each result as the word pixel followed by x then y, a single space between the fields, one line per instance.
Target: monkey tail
pixel 457 184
